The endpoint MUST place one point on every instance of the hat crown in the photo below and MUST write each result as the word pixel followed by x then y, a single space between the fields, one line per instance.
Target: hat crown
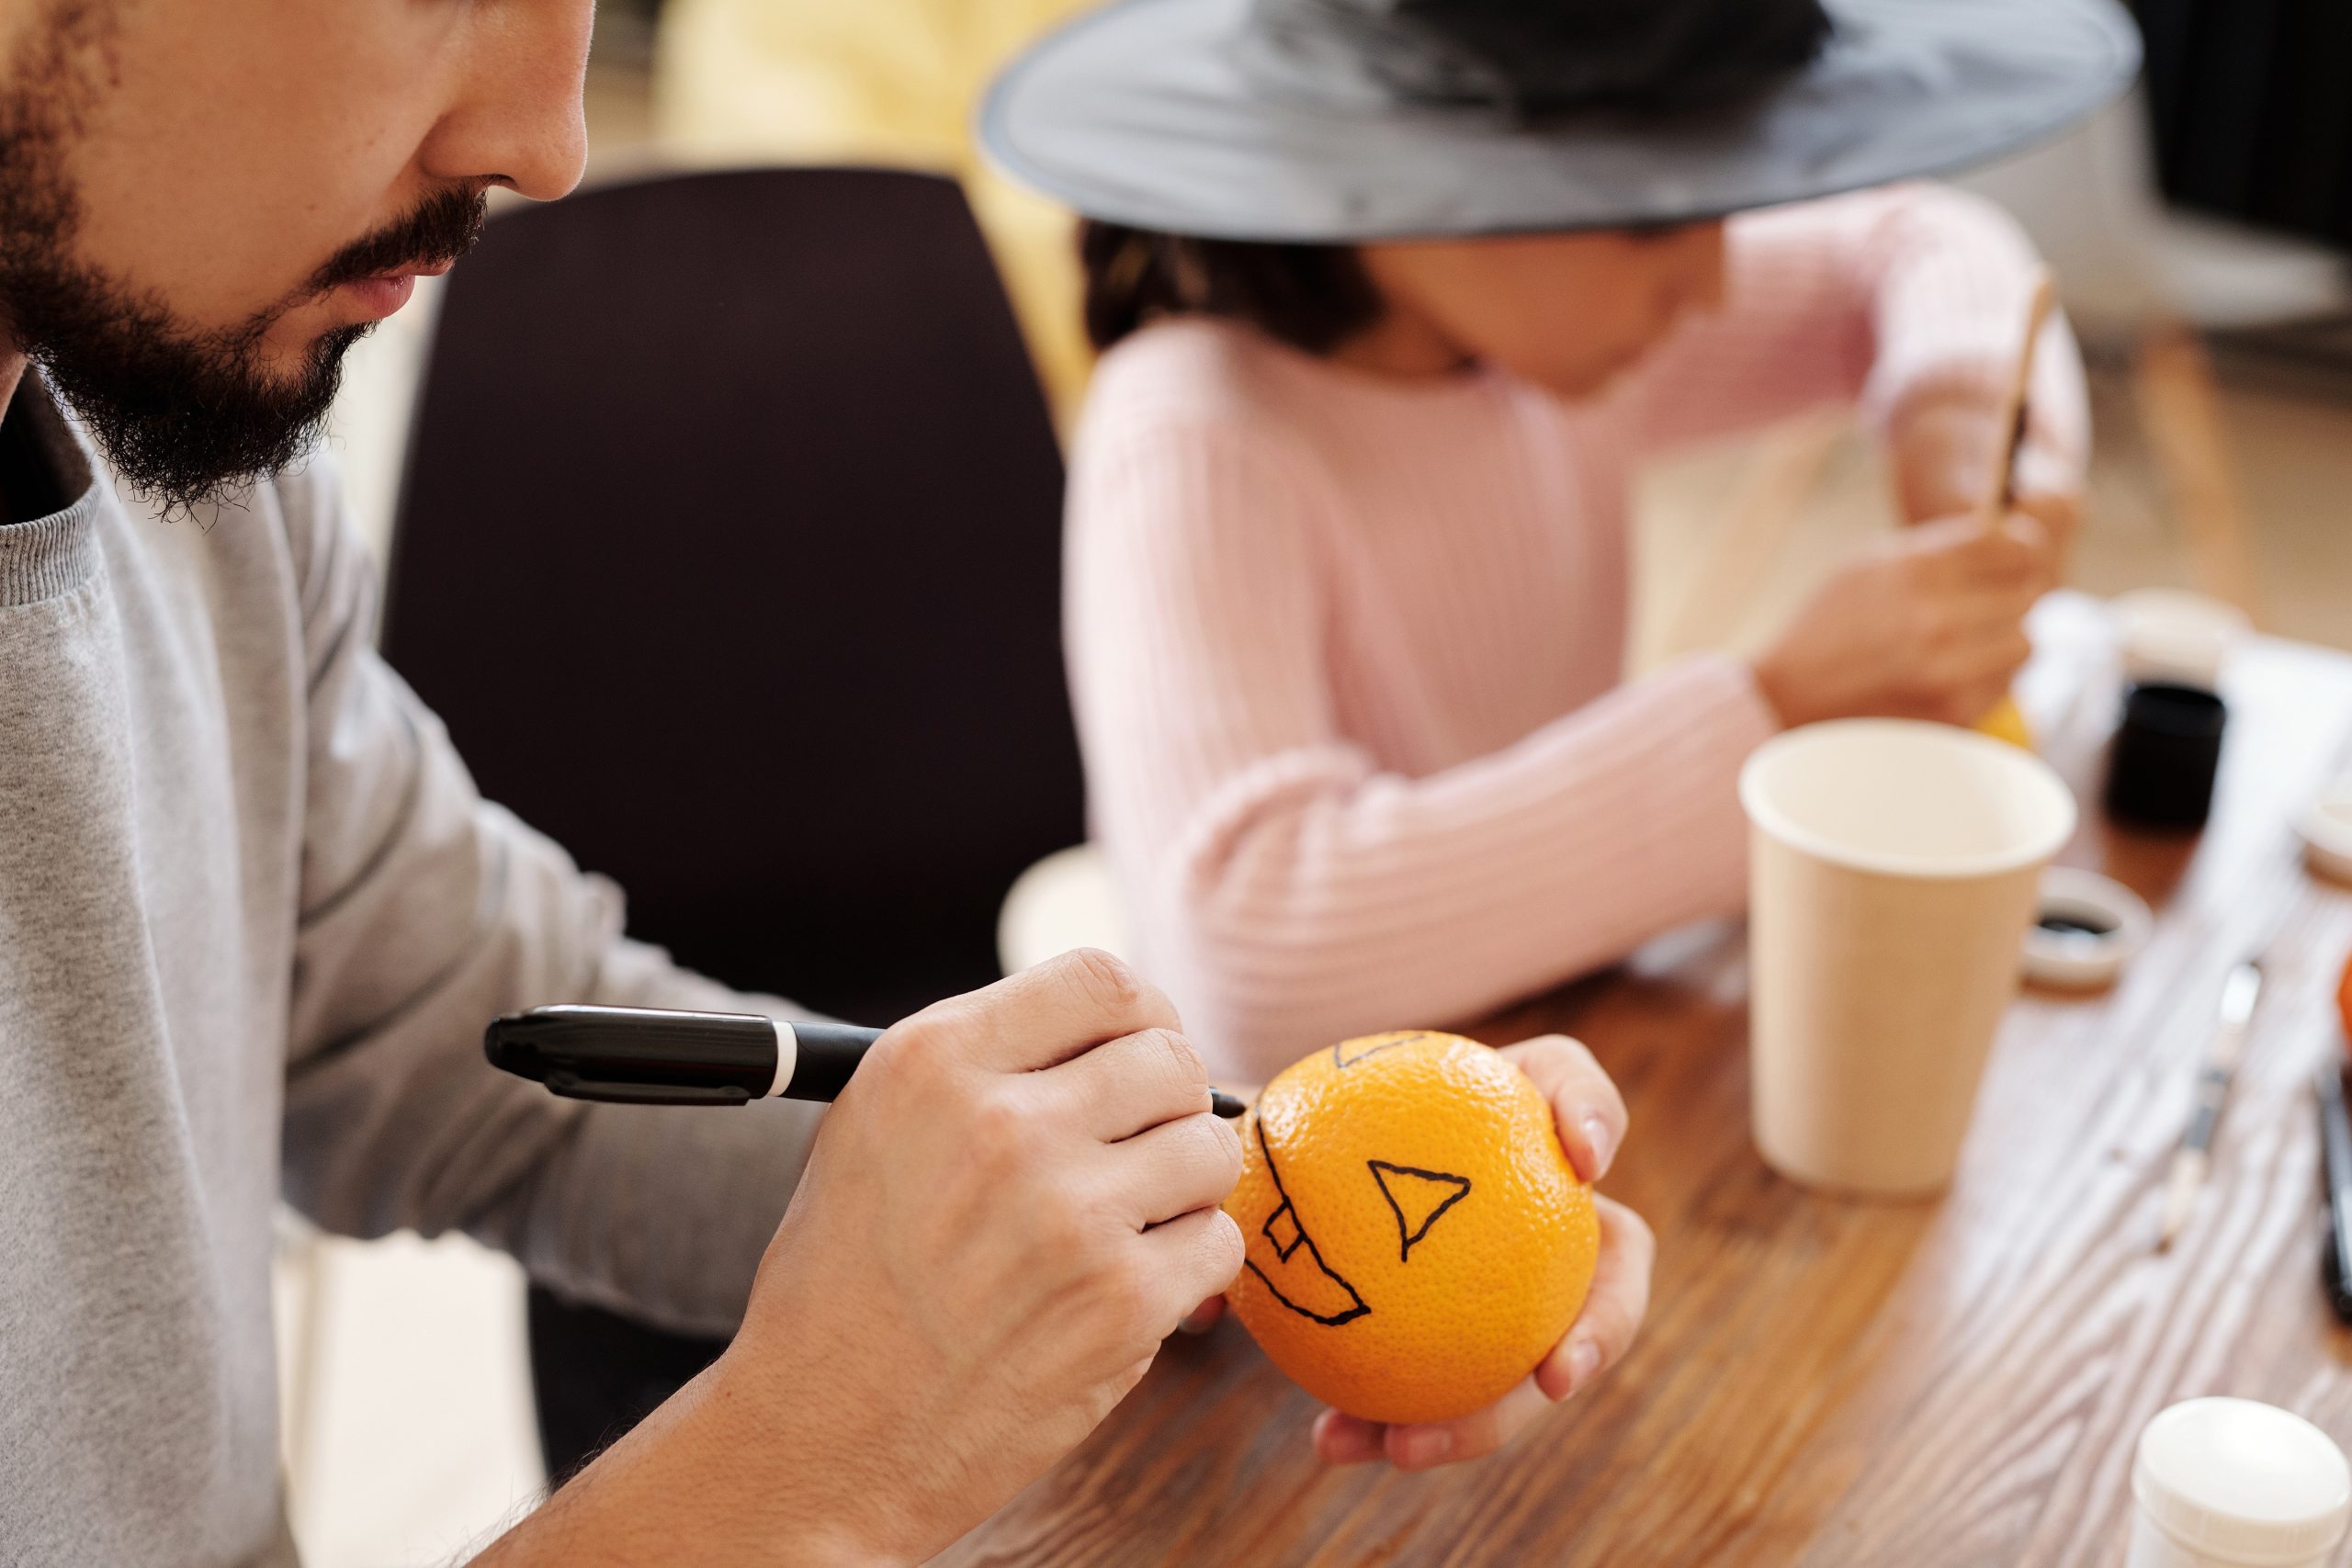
pixel 1535 58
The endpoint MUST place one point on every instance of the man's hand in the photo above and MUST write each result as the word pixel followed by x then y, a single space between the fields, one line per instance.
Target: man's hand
pixel 1009 1207
pixel 1590 1116
pixel 1007 1211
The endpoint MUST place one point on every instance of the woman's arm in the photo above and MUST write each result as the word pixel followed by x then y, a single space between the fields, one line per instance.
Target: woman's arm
pixel 1287 889
pixel 1896 298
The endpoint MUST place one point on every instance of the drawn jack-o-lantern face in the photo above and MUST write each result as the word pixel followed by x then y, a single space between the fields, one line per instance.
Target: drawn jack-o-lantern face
pixel 1416 1199
pixel 1298 1277
pixel 1412 1229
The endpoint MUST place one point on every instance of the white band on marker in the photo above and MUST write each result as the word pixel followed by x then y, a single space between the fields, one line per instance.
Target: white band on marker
pixel 787 1057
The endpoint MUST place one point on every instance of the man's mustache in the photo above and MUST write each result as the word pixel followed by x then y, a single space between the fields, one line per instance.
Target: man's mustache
pixel 443 228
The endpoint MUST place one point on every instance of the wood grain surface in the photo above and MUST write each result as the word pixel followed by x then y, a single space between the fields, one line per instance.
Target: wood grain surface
pixel 1825 1381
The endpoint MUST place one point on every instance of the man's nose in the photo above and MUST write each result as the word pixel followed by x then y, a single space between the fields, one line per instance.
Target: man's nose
pixel 518 120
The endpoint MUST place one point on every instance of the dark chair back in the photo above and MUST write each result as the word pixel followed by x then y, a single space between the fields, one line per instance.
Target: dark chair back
pixel 728 550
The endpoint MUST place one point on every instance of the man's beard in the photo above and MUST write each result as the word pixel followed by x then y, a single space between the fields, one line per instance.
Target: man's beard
pixel 185 415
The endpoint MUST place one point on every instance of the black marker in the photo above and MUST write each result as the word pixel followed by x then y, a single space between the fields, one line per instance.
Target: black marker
pixel 652 1056
pixel 2336 1153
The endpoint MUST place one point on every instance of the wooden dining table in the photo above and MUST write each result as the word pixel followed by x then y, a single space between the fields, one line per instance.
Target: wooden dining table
pixel 1827 1381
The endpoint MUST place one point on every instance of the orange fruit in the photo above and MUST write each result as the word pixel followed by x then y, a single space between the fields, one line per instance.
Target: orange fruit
pixel 2343 1001
pixel 2008 722
pixel 1417 1239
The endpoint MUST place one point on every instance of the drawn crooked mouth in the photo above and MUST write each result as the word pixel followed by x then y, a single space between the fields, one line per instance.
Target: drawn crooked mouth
pixel 1295 1273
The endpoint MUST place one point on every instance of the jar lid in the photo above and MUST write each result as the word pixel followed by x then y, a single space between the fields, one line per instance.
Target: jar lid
pixel 2239 1479
pixel 2085 930
pixel 2170 634
pixel 2326 829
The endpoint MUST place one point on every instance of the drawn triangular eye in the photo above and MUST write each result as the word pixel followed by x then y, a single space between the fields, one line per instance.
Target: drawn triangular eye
pixel 1417 1198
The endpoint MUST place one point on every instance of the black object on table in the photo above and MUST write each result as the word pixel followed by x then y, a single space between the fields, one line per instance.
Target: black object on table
pixel 2166 751
pixel 2335 1175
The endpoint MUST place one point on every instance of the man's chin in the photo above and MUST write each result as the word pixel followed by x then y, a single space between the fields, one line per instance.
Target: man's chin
pixel 186 427
pixel 289 355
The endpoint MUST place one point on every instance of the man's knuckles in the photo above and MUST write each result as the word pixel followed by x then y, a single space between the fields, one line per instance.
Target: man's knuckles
pixel 1000 1130
pixel 1103 987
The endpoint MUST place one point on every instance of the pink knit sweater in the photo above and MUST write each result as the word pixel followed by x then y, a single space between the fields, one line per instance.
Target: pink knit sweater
pixel 1348 651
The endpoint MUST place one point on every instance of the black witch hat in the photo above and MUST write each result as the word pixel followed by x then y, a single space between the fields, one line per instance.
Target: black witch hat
pixel 1361 120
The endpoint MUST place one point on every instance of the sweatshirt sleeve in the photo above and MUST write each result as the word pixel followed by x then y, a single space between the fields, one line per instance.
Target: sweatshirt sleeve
pixel 1880 299
pixel 424 912
pixel 1286 888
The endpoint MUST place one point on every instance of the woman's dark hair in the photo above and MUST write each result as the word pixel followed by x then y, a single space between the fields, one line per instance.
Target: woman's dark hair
pixel 1311 297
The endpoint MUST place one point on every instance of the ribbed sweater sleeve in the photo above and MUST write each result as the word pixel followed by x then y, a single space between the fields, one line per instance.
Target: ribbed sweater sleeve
pixel 1291 600
pixel 1882 298
pixel 1287 887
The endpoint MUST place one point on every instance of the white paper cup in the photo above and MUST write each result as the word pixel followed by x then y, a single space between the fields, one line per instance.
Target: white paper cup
pixel 1895 870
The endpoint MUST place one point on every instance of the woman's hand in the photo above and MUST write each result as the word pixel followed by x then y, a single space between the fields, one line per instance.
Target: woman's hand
pixel 1945 452
pixel 1926 624
pixel 1590 1116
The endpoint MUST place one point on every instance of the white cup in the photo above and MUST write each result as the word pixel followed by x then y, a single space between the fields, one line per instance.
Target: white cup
pixel 1895 870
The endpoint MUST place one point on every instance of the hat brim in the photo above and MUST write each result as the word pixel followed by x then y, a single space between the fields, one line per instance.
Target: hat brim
pixel 1147 113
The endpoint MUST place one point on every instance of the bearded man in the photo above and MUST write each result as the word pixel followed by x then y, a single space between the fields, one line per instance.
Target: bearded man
pixel 254 916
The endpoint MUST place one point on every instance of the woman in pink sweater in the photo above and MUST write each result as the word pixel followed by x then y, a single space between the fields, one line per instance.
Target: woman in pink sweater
pixel 1397 296
pixel 1397 293
pixel 1347 582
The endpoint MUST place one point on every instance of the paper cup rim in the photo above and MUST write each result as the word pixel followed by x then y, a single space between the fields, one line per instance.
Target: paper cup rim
pixel 1770 819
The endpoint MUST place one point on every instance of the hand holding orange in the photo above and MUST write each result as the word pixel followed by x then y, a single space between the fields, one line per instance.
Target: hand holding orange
pixel 1421 1238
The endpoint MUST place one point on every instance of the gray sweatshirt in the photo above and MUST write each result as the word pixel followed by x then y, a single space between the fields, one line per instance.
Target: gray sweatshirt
pixel 252 919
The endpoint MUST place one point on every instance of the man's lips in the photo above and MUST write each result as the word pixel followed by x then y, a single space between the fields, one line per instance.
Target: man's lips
pixel 380 295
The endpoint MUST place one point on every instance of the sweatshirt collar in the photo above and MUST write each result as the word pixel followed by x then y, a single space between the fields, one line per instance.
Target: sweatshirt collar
pixel 43 558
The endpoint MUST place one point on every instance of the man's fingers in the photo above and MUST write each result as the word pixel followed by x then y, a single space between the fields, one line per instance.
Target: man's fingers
pixel 1190 1163
pixel 1202 1318
pixel 1423 1445
pixel 1188 1259
pixel 1584 1103
pixel 1058 1010
pixel 1613 1309
pixel 1133 1082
